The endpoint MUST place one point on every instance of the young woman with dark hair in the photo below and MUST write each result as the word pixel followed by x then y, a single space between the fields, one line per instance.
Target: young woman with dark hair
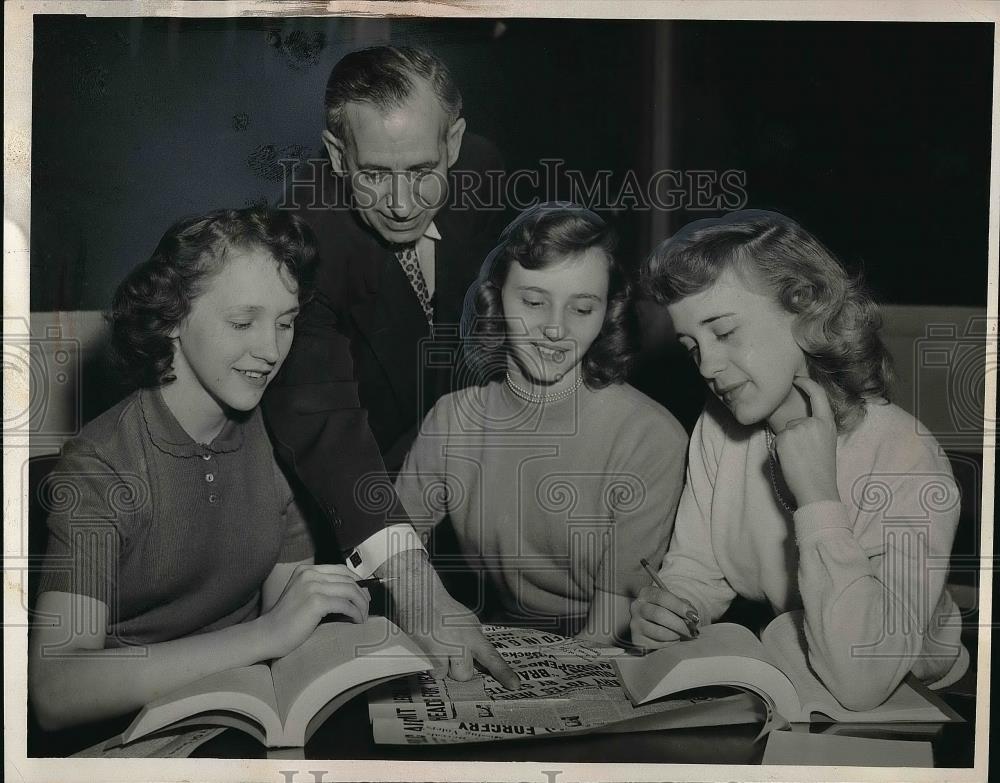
pixel 557 476
pixel 173 530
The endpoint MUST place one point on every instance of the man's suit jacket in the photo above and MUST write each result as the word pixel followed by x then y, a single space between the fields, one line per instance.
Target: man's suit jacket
pixel 362 371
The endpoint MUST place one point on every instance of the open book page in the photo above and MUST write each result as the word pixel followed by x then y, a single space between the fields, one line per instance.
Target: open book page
pixel 723 654
pixel 247 690
pixel 785 640
pixel 339 701
pixel 643 675
pixel 331 645
pixel 336 658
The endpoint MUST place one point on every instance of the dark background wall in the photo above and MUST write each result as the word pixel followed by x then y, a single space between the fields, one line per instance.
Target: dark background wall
pixel 874 135
pixel 137 122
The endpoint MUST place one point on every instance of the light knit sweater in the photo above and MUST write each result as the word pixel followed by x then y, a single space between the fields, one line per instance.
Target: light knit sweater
pixel 553 500
pixel 869 571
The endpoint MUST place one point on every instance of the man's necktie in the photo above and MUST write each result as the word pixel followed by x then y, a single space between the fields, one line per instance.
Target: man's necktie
pixel 407 256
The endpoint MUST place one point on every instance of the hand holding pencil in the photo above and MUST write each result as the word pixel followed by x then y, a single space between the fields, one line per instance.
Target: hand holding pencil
pixel 659 616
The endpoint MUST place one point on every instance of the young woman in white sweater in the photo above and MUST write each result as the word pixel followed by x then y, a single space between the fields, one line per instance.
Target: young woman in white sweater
pixel 806 488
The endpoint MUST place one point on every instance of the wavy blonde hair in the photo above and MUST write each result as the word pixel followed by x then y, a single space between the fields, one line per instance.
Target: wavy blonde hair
pixel 837 324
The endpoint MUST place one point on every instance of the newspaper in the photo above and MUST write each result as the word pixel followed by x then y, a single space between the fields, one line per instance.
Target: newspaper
pixel 542 722
pixel 566 686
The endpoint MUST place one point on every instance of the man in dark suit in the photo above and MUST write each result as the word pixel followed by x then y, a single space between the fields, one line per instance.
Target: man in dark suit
pixel 364 284
pixel 395 261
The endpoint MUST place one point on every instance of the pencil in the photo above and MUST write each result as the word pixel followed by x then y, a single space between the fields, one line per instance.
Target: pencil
pixel 690 620
pixel 649 570
pixel 374 581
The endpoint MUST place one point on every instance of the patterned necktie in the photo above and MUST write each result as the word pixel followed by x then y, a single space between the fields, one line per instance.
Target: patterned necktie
pixel 407 256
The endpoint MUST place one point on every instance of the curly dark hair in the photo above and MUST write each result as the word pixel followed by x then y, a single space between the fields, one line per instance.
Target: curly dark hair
pixel 157 295
pixel 537 238
pixel 837 325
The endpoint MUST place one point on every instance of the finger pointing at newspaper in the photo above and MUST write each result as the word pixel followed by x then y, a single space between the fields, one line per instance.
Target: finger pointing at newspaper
pixel 457 638
pixel 490 660
pixel 447 631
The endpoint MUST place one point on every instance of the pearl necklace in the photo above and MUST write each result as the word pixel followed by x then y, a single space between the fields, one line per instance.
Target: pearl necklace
pixel 528 396
pixel 771 460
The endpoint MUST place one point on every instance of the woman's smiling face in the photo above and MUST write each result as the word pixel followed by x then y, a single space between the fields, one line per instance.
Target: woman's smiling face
pixel 742 340
pixel 237 334
pixel 554 314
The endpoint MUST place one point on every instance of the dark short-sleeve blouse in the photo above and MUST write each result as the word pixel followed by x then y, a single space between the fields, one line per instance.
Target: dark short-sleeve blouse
pixel 176 537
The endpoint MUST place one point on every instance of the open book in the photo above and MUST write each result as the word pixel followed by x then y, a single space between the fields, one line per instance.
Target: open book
pixel 281 705
pixel 775 667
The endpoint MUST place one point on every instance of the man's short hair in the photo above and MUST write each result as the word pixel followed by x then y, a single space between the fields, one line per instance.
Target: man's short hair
pixel 383 76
